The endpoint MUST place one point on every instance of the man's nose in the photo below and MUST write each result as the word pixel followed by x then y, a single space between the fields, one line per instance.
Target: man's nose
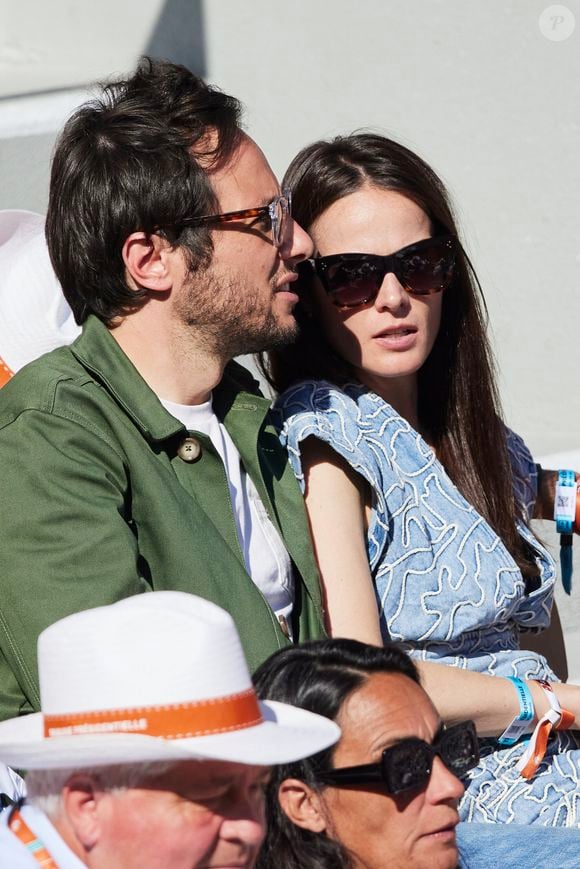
pixel 296 244
pixel 245 824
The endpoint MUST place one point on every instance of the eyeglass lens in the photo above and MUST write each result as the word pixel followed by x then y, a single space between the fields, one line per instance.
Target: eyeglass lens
pixel 409 764
pixel 421 269
pixel 279 216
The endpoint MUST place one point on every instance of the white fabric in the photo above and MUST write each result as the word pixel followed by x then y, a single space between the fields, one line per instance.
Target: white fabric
pixel 15 855
pixel 11 784
pixel 151 650
pixel 34 315
pixel 265 555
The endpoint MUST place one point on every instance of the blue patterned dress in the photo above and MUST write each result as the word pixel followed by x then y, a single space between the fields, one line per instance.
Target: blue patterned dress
pixel 446 586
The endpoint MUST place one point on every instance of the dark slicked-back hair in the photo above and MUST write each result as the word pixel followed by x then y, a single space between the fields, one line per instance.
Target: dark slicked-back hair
pixel 136 158
pixel 319 676
pixel 459 405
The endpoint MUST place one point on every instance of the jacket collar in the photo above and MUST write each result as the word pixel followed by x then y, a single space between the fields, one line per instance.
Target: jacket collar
pixel 238 403
pixel 235 398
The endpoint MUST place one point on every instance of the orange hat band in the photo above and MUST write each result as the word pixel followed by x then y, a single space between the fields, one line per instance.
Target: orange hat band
pixel 175 721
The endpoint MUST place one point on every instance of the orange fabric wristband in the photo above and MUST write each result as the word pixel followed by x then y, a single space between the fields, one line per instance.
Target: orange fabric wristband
pixel 538 746
pixel 555 718
pixel 567 718
pixel 566 721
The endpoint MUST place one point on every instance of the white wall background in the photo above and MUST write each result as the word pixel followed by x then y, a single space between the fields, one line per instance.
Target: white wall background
pixel 475 88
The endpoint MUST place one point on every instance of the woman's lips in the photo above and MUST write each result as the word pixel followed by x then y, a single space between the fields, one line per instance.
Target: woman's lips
pixel 400 338
pixel 446 833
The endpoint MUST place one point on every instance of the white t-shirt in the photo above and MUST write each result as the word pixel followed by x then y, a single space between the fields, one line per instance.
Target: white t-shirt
pixel 265 555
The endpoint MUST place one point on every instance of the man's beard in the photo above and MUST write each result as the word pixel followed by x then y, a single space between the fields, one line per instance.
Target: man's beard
pixel 228 318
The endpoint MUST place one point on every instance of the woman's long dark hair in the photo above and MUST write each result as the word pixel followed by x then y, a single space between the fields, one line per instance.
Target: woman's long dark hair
pixel 458 402
pixel 318 676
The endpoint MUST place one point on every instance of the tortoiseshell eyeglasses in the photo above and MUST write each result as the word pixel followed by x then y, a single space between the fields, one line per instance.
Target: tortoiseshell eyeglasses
pixel 275 216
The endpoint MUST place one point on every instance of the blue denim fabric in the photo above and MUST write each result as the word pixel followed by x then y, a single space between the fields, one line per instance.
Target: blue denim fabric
pixel 446 586
pixel 445 583
pixel 514 846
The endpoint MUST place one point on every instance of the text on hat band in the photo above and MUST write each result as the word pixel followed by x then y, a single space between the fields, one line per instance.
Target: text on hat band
pixel 173 721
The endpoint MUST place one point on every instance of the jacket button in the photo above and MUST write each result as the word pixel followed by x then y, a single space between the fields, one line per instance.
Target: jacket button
pixel 189 450
pixel 284 626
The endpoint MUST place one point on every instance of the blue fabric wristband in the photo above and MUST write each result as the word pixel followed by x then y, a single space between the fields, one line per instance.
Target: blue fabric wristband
pixel 526 714
pixel 565 502
pixel 564 514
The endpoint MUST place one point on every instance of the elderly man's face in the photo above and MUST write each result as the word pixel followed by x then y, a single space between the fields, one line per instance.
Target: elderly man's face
pixel 198 814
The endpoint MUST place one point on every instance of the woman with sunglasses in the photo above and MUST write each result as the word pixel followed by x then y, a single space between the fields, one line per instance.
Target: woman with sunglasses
pixel 419 498
pixel 386 795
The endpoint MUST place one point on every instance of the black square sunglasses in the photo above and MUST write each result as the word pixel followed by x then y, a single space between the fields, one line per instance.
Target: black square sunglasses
pixel 353 279
pixel 408 764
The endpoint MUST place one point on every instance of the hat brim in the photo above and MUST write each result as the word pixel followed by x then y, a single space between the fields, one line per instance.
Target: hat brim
pixel 34 314
pixel 286 734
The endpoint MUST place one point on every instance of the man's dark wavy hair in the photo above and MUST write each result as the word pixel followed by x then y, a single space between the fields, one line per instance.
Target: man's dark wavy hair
pixel 318 676
pixel 135 158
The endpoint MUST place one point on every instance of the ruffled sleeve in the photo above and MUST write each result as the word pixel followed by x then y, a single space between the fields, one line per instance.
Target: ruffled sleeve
pixel 319 409
pixel 525 474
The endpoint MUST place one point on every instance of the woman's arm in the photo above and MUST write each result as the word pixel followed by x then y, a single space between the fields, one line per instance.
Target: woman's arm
pixel 337 502
pixel 490 701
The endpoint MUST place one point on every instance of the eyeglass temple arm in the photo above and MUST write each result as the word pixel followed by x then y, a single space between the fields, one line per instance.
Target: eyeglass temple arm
pixel 225 218
pixel 369 772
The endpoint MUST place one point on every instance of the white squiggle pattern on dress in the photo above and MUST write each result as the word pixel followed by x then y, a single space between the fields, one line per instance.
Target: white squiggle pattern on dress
pixel 446 586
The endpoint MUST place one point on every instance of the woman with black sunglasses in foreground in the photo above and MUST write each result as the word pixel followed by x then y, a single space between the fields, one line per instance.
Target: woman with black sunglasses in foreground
pixel 419 498
pixel 386 795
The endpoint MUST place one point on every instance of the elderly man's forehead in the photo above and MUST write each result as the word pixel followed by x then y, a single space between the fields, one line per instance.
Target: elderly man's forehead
pixel 209 772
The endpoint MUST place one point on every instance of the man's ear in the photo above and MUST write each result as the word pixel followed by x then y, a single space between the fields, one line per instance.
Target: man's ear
pixel 303 805
pixel 81 797
pixel 148 260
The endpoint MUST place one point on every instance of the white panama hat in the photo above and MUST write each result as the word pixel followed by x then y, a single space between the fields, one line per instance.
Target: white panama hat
pixel 158 676
pixel 34 315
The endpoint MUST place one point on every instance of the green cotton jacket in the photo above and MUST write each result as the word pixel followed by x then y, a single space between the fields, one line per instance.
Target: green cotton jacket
pixel 96 505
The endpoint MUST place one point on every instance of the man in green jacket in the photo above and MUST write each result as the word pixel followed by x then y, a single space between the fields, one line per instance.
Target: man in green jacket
pixel 141 457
